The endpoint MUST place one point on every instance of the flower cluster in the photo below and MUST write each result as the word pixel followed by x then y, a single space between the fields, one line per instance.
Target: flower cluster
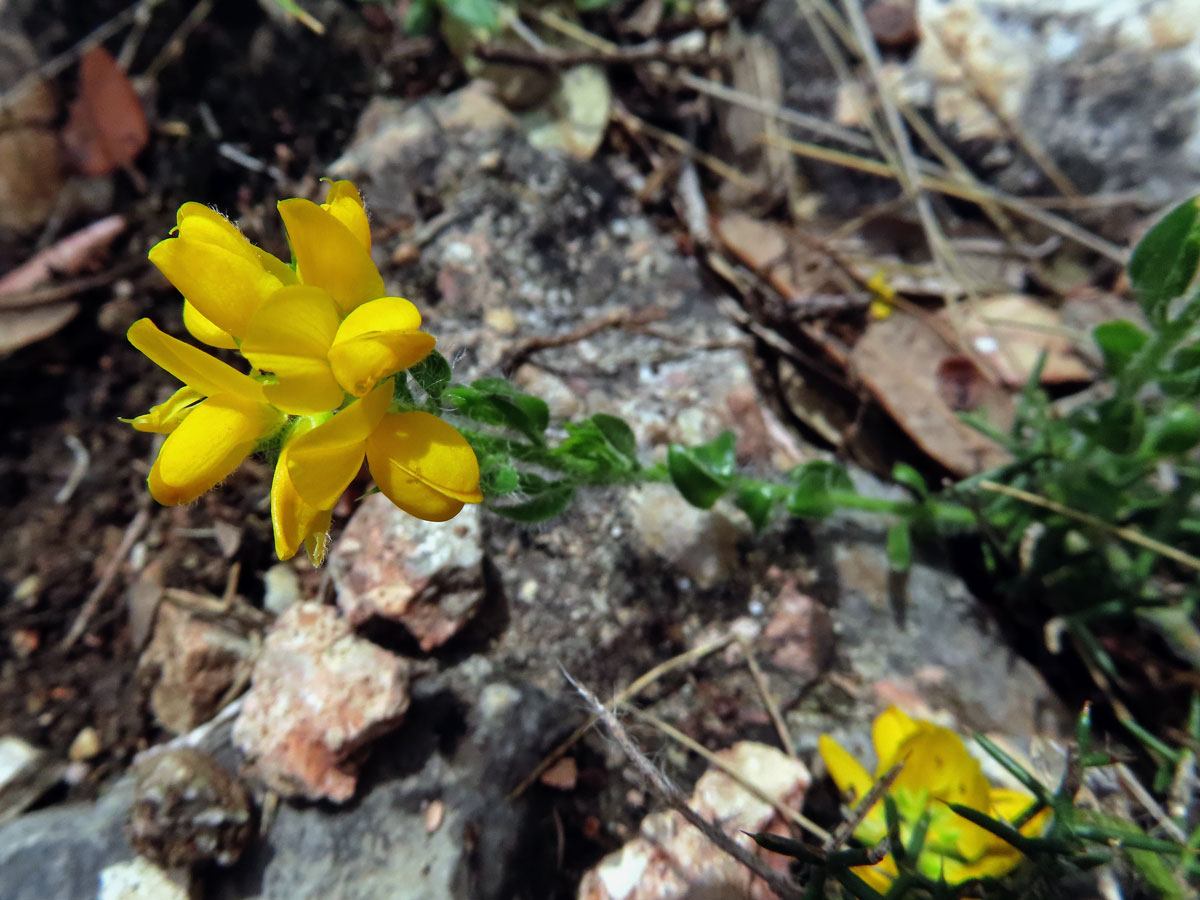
pixel 937 770
pixel 324 343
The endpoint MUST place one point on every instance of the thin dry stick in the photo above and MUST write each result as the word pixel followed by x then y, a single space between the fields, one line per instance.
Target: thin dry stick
pixel 783 887
pixel 863 807
pixel 1135 787
pixel 700 750
pixel 760 681
pixel 92 603
pixel 635 687
pixel 675 142
pixel 943 254
pixel 1132 535
pixel 55 65
pixel 174 44
pixel 974 193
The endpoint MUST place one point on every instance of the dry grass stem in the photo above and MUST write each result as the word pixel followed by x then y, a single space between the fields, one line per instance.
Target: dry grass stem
pixel 635 687
pixel 1132 535
pixel 674 797
pixel 713 759
pixel 764 690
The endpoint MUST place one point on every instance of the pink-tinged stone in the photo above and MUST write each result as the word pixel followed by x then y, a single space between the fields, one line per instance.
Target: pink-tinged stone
pixel 318 695
pixel 672 860
pixel 426 575
pixel 197 661
pixel 799 637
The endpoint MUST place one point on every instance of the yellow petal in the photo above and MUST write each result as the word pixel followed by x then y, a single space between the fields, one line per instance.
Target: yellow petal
pixel 328 255
pixel 423 465
pixel 317 541
pixel 277 267
pixel 166 416
pixel 294 521
pixel 891 729
pixel 880 875
pixel 378 316
pixel 205 331
pixel 345 203
pixel 207 446
pixel 193 366
pixel 376 340
pixel 846 771
pixel 290 336
pixel 323 462
pixel 224 286
pixel 197 222
pixel 359 364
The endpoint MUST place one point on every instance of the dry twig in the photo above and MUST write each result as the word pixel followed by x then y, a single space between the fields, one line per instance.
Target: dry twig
pixel 783 887
pixel 635 687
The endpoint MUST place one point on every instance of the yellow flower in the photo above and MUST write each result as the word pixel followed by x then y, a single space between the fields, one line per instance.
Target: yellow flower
pixel 937 770
pixel 222 276
pixel 212 423
pixel 315 356
pixel 316 331
pixel 420 463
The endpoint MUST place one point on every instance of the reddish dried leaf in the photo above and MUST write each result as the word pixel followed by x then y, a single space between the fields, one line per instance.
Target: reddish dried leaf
pixel 107 127
pixel 69 256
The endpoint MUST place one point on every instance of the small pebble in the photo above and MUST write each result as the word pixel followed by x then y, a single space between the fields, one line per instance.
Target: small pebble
pixel 85 746
pixel 281 588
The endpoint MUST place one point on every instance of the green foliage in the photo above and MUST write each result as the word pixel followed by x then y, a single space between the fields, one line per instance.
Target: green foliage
pixel 1164 264
pixel 1125 460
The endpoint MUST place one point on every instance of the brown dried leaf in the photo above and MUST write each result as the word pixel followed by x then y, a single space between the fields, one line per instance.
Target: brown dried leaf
pixel 21 327
pixel 1010 332
pixel 107 127
pixel 30 173
pixel 898 360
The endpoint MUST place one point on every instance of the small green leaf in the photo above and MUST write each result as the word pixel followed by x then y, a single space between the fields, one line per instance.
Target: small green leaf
pixel 618 433
pixel 1165 261
pixel 756 500
pixel 498 476
pixel 903 473
pixel 548 502
pixel 695 481
pixel 483 14
pixel 401 395
pixel 786 846
pixel 718 456
pixel 494 402
pixel 1176 432
pixel 899 547
pixel 592 5
pixel 813 482
pixel 1118 342
pixel 432 373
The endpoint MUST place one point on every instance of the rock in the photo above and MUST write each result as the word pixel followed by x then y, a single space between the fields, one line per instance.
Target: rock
pixel 85 746
pixel 672 860
pixel 799 636
pixel 426 575
pixel 60 851
pixel 318 695
pixel 140 879
pixel 484 847
pixel 700 545
pixel 281 588
pixel 923 640
pixel 198 663
pixel 187 809
pixel 1108 88
pixel 26 772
